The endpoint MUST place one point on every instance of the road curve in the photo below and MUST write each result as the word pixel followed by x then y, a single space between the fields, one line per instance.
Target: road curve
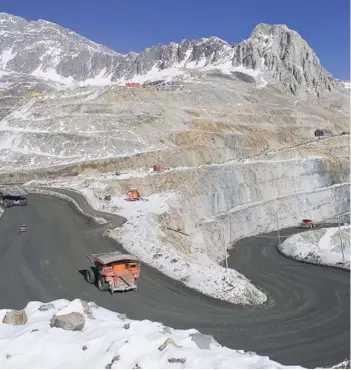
pixel 305 322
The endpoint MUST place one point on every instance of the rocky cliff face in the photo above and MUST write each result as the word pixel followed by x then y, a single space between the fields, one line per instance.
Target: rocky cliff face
pixel 275 54
pixel 287 57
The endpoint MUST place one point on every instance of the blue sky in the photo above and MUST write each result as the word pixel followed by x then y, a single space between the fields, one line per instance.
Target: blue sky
pixel 126 25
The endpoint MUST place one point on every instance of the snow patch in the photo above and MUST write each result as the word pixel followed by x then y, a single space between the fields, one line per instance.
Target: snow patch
pixel 108 341
pixel 74 306
pixel 180 70
pixel 51 74
pixel 99 80
pixel 330 247
pixel 154 74
pixel 6 56
pixel 228 68
pixel 6 141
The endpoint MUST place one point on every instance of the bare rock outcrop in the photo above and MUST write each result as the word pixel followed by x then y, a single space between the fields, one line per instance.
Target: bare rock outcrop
pixel 46 307
pixel 15 317
pixel 203 341
pixel 287 57
pixel 73 321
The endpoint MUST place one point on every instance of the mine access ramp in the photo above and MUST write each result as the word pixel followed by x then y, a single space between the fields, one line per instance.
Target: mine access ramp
pixel 114 271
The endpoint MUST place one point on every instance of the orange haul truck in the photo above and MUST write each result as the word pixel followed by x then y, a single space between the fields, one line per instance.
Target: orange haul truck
pixel 113 271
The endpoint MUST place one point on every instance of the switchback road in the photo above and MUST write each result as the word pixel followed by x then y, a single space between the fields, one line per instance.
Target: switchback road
pixel 305 322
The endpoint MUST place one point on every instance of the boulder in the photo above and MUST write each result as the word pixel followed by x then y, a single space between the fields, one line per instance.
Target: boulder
pixel 115 359
pixel 203 341
pixel 87 310
pixel 167 329
pixel 126 326
pixel 47 307
pixel 15 318
pixel 122 316
pixel 180 360
pixel 73 321
pixel 169 341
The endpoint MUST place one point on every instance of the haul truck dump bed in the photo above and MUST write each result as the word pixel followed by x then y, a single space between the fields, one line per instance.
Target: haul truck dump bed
pixel 113 271
pixel 11 196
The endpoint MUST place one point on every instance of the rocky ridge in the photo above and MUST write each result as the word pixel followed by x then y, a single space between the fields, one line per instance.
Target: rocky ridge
pixel 272 54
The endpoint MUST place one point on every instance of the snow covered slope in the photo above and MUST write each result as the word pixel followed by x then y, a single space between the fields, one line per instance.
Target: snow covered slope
pixel 330 247
pixel 265 92
pixel 273 53
pixel 112 341
pixel 211 119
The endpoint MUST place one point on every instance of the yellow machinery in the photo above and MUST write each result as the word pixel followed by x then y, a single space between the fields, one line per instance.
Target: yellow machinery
pixel 33 94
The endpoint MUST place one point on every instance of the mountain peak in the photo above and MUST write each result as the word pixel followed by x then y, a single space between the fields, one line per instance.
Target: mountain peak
pixel 287 57
pixel 6 16
pixel 267 29
pixel 44 49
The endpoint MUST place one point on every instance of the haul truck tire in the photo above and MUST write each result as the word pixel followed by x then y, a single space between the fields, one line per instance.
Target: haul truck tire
pixel 90 276
pixel 8 203
pixel 102 284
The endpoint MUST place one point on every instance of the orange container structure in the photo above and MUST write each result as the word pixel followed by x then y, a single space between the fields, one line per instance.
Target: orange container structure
pixel 133 84
pixel 113 271
pixel 307 224
pixel 133 195
pixel 158 168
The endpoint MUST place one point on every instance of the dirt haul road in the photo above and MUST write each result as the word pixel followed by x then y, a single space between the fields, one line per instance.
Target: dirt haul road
pixel 306 321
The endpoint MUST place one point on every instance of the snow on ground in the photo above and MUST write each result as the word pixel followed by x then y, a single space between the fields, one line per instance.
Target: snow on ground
pixel 110 340
pixel 142 236
pixel 178 70
pixel 322 246
pixel 52 75
pixel 182 69
pixel 154 74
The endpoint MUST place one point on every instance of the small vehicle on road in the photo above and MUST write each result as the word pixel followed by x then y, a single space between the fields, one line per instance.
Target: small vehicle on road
pixel 114 271
pixel 23 228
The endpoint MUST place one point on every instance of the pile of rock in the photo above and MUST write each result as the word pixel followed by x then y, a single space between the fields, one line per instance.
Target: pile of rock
pixel 73 321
